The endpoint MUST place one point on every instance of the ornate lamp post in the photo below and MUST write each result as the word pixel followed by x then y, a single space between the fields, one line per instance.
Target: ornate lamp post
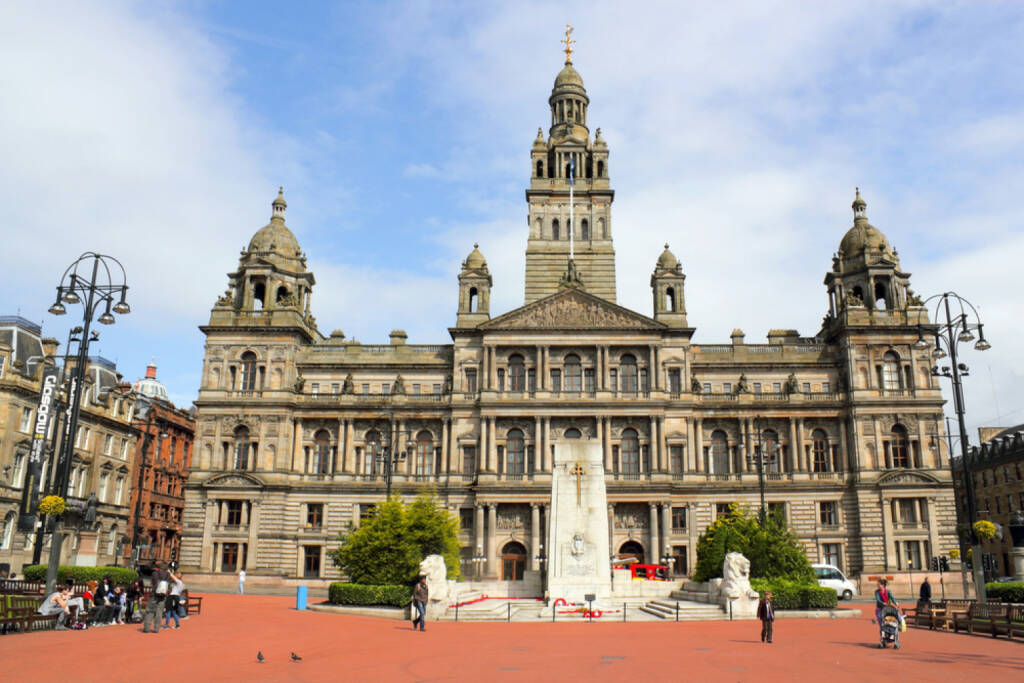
pixel 759 460
pixel 388 456
pixel 106 286
pixel 949 330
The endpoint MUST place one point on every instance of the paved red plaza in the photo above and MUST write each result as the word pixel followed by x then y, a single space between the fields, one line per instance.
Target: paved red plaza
pixel 221 644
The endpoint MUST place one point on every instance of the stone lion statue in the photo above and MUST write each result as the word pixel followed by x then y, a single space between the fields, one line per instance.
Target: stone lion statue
pixel 736 577
pixel 434 569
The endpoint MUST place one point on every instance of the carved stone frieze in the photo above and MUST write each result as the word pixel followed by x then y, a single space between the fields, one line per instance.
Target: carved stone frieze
pixel 631 516
pixel 512 517
pixel 572 309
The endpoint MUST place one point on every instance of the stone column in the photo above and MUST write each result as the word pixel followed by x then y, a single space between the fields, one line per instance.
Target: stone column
pixel 655 551
pixel 492 525
pixel 922 438
pixel 606 445
pixel 485 374
pixel 800 445
pixel 492 379
pixel 611 529
pixel 794 456
pixel 534 536
pixel 478 532
pixel 211 511
pixel 655 369
pixel 538 453
pixel 297 446
pixel 445 453
pixel 481 446
pixel 492 449
pixel 349 460
pixel 881 455
pixel 400 445
pixel 887 540
pixel 604 368
pixel 547 446
pixel 666 525
pixel 699 443
pixel 222 514
pixel 254 535
pixel 245 512
pixel 652 445
pixel 845 463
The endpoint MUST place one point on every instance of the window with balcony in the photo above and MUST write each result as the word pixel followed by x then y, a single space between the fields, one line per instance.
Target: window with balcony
pixel 719 452
pixel 826 387
pixel 757 387
pixel 727 388
pixel 373 452
pixel 675 381
pixel 315 388
pixel 471 380
pixel 515 450
pixel 707 387
pixel 556 381
pixel 776 387
pixel 770 448
pixel 531 380
pixel 468 460
pixel 241 448
pixel 679 518
pixel 899 447
pixel 573 373
pixel 248 371
pixel 807 387
pixel 501 380
pixel 314 515
pixel 819 449
pixel 322 452
pixel 437 388
pixel 630 451
pixel 890 371
pixel 366 388
pixel 627 365
pixel 828 513
pixel 424 454
pixel 675 454
pixel 516 373
pixel 613 380
pixel 466 519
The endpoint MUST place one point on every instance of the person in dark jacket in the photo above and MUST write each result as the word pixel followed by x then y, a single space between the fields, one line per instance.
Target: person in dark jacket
pixel 420 595
pixel 159 587
pixel 135 593
pixel 766 613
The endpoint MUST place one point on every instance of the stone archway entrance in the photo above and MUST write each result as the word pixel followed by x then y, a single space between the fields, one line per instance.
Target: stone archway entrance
pixel 513 561
pixel 632 549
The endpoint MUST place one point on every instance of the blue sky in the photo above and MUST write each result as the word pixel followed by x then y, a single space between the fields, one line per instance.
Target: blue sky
pixel 159 132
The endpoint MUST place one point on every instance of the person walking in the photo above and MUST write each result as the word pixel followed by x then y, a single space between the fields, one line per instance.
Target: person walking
pixel 925 596
pixel 883 597
pixel 241 582
pixel 159 585
pixel 420 595
pixel 766 613
pixel 171 605
pixel 135 593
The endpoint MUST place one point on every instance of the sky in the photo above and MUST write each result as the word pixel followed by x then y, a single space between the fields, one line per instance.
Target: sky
pixel 159 132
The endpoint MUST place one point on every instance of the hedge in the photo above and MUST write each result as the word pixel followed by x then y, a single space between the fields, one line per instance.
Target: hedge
pixel 793 595
pixel 1006 592
pixel 122 575
pixel 360 594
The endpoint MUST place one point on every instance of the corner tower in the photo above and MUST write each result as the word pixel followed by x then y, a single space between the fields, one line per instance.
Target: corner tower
pixel 550 224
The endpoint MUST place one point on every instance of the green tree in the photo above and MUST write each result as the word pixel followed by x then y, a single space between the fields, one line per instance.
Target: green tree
pixel 773 549
pixel 389 545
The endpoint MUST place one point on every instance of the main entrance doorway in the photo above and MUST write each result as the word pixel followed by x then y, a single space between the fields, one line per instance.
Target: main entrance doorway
pixel 513 561
pixel 632 549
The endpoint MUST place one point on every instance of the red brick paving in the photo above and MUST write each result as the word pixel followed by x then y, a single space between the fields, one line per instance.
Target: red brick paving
pixel 221 644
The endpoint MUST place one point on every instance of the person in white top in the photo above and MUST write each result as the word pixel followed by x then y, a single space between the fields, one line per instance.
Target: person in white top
pixel 173 598
pixel 241 582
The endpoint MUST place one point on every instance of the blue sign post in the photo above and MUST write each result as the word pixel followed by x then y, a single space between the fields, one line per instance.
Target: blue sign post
pixel 300 597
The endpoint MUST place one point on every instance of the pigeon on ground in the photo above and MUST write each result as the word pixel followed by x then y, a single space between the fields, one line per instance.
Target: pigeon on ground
pixel 296 658
pixel 259 657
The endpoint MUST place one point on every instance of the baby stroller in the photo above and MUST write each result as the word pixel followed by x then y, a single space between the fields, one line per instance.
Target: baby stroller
pixel 889 627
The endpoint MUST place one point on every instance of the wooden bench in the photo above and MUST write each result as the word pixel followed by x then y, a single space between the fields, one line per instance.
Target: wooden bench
pixel 193 605
pixel 984 616
pixel 1015 621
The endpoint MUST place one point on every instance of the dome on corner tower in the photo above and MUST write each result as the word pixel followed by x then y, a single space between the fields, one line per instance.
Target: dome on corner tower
pixel 667 260
pixel 475 260
pixel 568 77
pixel 275 236
pixel 863 237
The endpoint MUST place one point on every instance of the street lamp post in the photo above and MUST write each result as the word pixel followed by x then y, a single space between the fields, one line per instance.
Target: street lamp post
pixel 949 330
pixel 759 461
pixel 389 446
pixel 99 289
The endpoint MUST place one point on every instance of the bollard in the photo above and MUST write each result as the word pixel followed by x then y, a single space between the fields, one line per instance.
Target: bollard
pixel 677 610
pixel 554 610
pixel 456 612
pixel 300 597
pixel 623 613
pixel 509 605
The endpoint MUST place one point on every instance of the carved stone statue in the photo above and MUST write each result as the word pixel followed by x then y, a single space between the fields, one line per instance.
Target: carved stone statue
pixel 853 300
pixel 447 389
pixel 300 382
pixel 349 386
pixel 913 299
pixel 736 577
pixel 439 588
pixel 399 386
pixel 226 299
pixel 695 384
pixel 741 386
pixel 289 300
pixel 90 511
pixel 791 384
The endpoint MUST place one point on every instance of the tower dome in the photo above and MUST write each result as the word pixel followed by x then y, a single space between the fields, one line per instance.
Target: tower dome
pixel 149 386
pixel 667 260
pixel 475 260
pixel 863 237
pixel 275 237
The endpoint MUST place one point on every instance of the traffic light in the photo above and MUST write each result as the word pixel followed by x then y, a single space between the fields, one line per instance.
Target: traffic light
pixel 934 563
pixel 943 564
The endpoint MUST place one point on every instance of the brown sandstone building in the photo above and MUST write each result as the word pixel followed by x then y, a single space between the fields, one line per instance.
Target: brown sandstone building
pixel 294 426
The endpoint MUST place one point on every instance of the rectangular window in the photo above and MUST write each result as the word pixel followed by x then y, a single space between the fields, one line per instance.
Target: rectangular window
pixel 19 470
pixel 471 381
pixel 415 389
pixel 469 460
pixel 679 518
pixel 26 420
pixel 707 387
pixel 675 453
pixel 588 380
pixel 643 381
pixel 501 380
pixel 830 554
pixel 315 515
pixel 118 490
pixel 911 555
pixel 757 387
pixel 316 388
pixel 727 388
pixel 311 564
pixel 776 387
pixel 335 388
pixel 229 558
pixel 679 561
pixel 365 510
pixel 104 479
pixel 826 387
pixel 721 509
pixel 234 513
pixel 556 380
pixel 3 360
pixel 807 387
pixel 777 510
pixel 437 388
pixel 531 380
pixel 828 513
pixel 613 380
pixel 908 510
pixel 366 388
pixel 385 388
pixel 675 382
pixel 466 519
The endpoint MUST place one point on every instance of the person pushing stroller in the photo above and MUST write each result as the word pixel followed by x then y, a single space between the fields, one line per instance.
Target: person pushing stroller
pixel 887 614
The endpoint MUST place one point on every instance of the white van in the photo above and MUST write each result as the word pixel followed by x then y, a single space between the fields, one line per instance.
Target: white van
pixel 829 576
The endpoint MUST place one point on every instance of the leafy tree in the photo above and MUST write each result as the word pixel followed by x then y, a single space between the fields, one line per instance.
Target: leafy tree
pixel 389 545
pixel 773 549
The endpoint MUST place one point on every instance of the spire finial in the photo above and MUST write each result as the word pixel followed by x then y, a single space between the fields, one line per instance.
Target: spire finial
pixel 279 204
pixel 568 44
pixel 666 245
pixel 860 207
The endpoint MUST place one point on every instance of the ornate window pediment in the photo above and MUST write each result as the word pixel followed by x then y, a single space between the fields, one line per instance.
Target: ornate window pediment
pixel 904 478
pixel 234 480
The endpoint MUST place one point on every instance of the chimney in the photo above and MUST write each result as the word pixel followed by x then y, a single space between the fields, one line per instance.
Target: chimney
pixel 151 369
pixel 398 336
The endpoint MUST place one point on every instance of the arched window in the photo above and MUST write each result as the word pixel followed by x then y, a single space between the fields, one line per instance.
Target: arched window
pixel 770 448
pixel 515 452
pixel 259 295
pixel 600 169
pixel 632 549
pixel 513 561
pixel 900 447
pixel 573 373
pixel 880 296
pixel 424 453
pixel 859 293
pixel 322 452
pixel 554 230
pixel 516 373
pixel 890 371
pixel 540 169
pixel 8 531
pixel 248 371
pixel 242 448
pixel 819 448
pixel 374 451
pixel 629 374
pixel 719 452
pixel 474 300
pixel 282 292
pixel 585 230
pixel 630 450
pixel 573 433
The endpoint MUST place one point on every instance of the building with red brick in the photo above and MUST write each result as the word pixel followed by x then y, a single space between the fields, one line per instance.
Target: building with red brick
pixel 162 459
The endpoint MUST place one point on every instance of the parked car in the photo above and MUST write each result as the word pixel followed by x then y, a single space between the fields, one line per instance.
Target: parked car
pixel 829 576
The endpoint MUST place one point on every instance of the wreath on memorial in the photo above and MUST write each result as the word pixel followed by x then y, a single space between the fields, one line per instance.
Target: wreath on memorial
pixel 53 506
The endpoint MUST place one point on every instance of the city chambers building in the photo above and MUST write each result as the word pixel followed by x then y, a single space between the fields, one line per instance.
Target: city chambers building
pixel 296 431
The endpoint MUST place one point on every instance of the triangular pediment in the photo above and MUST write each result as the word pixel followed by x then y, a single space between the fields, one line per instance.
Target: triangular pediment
pixel 235 480
pixel 572 309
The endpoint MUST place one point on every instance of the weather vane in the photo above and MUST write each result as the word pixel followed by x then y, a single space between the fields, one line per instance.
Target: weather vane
pixel 568 44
